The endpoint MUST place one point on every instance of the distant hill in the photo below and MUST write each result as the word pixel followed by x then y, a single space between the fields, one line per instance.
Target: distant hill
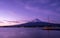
pixel 35 23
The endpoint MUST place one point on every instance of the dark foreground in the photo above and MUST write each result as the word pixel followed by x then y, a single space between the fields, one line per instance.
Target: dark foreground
pixel 28 33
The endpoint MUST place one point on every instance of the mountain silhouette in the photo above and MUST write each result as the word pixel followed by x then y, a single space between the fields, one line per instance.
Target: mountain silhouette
pixel 36 20
pixel 35 23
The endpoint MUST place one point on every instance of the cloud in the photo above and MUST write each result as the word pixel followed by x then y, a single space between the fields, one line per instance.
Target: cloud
pixel 35 8
pixel 45 8
pixel 45 4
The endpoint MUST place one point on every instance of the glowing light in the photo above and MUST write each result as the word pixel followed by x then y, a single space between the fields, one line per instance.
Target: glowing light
pixel 8 18
pixel 9 23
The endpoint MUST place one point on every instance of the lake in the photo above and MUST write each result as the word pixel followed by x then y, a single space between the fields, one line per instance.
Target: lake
pixel 28 33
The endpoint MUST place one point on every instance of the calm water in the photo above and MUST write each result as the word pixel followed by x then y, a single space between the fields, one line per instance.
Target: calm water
pixel 28 33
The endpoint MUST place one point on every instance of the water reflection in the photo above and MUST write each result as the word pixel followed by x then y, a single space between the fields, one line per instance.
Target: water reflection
pixel 27 33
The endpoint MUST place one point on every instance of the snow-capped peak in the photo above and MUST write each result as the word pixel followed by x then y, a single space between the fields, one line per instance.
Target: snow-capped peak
pixel 36 20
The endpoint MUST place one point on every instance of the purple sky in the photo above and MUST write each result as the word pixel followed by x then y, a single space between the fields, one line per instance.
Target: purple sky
pixel 30 9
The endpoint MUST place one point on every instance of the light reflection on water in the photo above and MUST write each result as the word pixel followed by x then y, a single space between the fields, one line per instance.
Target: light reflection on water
pixel 27 33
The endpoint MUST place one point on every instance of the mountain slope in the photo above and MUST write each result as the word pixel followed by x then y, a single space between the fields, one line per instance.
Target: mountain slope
pixel 35 23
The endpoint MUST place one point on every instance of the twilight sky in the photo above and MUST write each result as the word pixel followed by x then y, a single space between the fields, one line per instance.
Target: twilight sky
pixel 30 9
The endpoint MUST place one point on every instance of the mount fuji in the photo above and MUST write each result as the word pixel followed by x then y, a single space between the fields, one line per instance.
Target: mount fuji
pixel 35 23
